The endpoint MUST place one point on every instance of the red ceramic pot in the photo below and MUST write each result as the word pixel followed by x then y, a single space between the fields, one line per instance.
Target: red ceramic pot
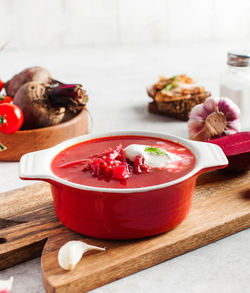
pixel 117 213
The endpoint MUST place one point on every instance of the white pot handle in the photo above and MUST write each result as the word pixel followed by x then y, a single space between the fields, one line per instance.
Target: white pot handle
pixel 36 165
pixel 210 155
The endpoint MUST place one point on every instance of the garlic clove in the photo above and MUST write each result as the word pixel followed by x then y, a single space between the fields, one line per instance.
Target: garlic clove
pixel 210 104
pixel 6 285
pixel 198 111
pixel 232 127
pixel 196 121
pixel 231 110
pixel 71 253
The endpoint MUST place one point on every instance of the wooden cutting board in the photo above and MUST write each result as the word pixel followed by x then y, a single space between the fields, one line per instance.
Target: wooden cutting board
pixel 221 207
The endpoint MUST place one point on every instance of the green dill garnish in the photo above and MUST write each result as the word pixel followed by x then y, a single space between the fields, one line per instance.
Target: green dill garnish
pixel 173 82
pixel 169 87
pixel 155 150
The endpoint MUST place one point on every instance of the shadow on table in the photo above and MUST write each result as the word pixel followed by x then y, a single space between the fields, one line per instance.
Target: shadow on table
pixel 142 111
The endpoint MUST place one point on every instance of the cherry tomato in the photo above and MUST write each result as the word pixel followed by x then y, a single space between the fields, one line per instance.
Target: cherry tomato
pixel 5 99
pixel 11 118
pixel 1 84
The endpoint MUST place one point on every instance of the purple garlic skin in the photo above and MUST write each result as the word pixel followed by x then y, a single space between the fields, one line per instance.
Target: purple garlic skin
pixel 214 118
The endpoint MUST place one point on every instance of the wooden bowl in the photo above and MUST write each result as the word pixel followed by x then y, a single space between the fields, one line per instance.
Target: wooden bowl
pixel 25 141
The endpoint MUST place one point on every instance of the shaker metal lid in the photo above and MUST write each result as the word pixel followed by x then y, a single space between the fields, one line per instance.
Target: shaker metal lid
pixel 239 58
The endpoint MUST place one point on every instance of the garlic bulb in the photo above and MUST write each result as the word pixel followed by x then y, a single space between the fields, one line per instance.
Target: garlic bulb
pixel 6 285
pixel 71 253
pixel 214 118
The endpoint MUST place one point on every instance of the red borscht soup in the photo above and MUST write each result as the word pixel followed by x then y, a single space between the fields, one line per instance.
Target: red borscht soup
pixel 123 162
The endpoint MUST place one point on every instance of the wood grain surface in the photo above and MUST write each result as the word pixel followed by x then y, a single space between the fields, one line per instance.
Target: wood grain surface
pixel 221 207
pixel 27 218
pixel 42 138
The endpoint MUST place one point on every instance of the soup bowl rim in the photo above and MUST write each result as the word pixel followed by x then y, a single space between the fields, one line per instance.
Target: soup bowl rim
pixel 37 165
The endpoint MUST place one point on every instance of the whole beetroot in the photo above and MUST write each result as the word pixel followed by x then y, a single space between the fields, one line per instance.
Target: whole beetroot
pixel 46 105
pixel 35 73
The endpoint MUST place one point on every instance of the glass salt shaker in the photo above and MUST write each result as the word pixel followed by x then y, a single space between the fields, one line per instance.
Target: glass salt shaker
pixel 235 83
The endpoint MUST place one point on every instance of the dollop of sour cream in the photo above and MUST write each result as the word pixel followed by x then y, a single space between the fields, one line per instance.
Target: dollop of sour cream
pixel 154 157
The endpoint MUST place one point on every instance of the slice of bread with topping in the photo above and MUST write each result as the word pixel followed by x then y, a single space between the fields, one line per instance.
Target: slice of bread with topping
pixel 176 96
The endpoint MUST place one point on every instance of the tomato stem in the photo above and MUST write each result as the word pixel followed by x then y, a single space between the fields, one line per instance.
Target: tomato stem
pixel 3 119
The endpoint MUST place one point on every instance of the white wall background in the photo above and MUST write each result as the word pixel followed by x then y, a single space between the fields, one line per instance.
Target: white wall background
pixel 77 23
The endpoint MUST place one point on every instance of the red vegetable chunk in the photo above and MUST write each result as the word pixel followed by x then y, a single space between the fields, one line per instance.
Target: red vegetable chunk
pixel 121 172
pixel 237 149
pixel 1 84
pixel 98 167
pixel 140 166
pixel 114 154
pixel 11 118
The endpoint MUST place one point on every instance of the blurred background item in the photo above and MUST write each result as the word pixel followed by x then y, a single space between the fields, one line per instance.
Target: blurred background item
pixel 235 81
pixel 76 23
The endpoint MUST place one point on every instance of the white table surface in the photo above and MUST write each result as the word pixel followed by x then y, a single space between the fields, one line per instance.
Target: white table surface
pixel 115 78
